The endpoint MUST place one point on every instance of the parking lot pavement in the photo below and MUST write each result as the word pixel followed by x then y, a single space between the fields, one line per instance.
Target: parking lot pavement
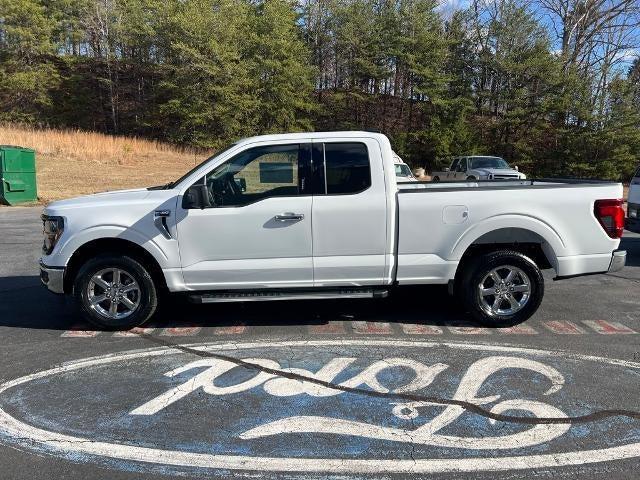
pixel 404 387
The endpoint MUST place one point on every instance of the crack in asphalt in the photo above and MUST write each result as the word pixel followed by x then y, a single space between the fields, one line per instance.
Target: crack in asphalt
pixel 468 406
pixel 634 280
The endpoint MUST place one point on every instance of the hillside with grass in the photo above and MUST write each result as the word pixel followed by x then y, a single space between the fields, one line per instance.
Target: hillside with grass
pixel 72 162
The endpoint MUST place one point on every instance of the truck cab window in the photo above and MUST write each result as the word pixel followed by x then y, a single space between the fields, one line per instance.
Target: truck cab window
pixel 347 168
pixel 255 174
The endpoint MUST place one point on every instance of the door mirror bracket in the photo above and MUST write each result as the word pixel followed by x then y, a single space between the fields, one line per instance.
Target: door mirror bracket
pixel 196 196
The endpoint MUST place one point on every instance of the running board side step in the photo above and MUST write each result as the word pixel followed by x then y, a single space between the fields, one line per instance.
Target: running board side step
pixel 264 296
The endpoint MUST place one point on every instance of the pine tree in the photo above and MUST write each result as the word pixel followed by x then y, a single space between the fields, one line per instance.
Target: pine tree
pixel 279 62
pixel 207 94
pixel 27 74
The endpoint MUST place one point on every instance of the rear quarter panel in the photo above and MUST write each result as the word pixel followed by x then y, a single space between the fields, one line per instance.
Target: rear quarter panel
pixel 434 230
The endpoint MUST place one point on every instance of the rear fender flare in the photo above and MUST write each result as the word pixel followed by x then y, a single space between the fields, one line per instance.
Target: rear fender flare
pixel 554 245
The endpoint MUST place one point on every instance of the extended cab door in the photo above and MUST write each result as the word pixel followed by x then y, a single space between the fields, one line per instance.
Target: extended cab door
pixel 257 234
pixel 349 213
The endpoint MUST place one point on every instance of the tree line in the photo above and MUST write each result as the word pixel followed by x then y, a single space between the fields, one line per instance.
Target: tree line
pixel 551 85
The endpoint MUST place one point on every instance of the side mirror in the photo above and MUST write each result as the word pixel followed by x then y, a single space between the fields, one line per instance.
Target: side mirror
pixel 196 196
pixel 515 168
pixel 447 169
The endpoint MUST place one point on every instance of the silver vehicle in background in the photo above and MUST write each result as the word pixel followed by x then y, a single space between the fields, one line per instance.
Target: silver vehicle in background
pixel 478 167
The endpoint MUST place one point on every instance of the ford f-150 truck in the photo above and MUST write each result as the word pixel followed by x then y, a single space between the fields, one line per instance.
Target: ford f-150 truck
pixel 321 215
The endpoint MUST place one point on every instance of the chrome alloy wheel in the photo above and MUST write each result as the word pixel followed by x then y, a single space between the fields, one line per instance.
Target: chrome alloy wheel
pixel 504 291
pixel 113 293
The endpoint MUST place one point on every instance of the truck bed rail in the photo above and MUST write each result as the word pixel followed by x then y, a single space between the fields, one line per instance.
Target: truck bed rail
pixel 534 183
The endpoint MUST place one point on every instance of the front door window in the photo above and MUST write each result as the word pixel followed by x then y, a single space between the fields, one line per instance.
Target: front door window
pixel 256 174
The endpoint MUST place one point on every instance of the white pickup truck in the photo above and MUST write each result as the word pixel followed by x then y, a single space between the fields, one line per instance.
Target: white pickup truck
pixel 477 167
pixel 321 215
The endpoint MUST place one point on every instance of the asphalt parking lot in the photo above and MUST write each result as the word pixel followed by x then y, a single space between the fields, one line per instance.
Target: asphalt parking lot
pixel 404 387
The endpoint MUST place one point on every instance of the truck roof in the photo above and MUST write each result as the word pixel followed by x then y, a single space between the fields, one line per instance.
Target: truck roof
pixel 312 135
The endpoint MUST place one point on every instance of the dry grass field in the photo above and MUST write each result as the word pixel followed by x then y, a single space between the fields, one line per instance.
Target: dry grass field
pixel 71 163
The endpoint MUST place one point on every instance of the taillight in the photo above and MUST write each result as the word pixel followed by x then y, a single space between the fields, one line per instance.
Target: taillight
pixel 611 216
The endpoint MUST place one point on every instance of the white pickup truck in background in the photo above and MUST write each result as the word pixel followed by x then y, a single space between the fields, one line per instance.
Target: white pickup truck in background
pixel 321 215
pixel 477 167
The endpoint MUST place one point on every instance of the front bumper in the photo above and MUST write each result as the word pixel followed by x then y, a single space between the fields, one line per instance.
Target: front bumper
pixel 52 278
pixel 618 260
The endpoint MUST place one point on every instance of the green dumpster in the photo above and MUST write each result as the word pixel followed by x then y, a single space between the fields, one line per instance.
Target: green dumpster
pixel 17 175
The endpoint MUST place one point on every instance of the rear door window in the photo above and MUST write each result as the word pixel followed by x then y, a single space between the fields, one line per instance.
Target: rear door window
pixel 346 168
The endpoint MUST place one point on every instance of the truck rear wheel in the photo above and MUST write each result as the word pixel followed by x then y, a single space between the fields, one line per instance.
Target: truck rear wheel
pixel 115 292
pixel 501 288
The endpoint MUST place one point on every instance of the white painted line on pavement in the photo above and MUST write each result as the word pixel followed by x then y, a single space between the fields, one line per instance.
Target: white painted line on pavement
pixel 333 328
pixel 563 327
pixel 230 330
pixel 518 330
pixel 372 328
pixel 418 329
pixel 468 330
pixel 134 332
pixel 180 331
pixel 77 331
pixel 608 328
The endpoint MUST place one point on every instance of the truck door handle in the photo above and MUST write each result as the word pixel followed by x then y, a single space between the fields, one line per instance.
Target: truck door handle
pixel 289 217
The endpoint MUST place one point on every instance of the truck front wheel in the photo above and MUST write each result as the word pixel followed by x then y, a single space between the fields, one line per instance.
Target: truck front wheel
pixel 502 288
pixel 115 292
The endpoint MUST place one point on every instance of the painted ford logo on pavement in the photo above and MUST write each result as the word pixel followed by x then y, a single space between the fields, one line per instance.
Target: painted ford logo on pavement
pixel 341 406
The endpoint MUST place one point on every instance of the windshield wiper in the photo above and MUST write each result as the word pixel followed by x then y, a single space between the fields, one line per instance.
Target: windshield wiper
pixel 162 187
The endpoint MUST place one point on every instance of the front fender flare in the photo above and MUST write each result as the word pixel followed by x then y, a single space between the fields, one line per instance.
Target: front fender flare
pixel 101 232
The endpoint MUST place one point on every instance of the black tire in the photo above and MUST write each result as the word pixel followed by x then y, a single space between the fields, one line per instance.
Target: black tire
pixel 435 179
pixel 478 270
pixel 145 296
pixel 471 179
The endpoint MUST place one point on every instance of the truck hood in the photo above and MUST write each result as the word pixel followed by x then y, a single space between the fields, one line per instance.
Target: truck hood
pixel 98 199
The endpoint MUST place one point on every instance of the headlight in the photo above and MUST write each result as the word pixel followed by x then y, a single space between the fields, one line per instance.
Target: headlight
pixel 52 228
pixel 632 211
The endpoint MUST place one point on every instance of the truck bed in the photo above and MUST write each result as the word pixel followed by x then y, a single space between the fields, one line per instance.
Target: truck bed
pixel 435 231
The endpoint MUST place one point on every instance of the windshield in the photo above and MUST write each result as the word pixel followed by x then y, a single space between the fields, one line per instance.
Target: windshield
pixel 487 162
pixel 403 170
pixel 217 154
